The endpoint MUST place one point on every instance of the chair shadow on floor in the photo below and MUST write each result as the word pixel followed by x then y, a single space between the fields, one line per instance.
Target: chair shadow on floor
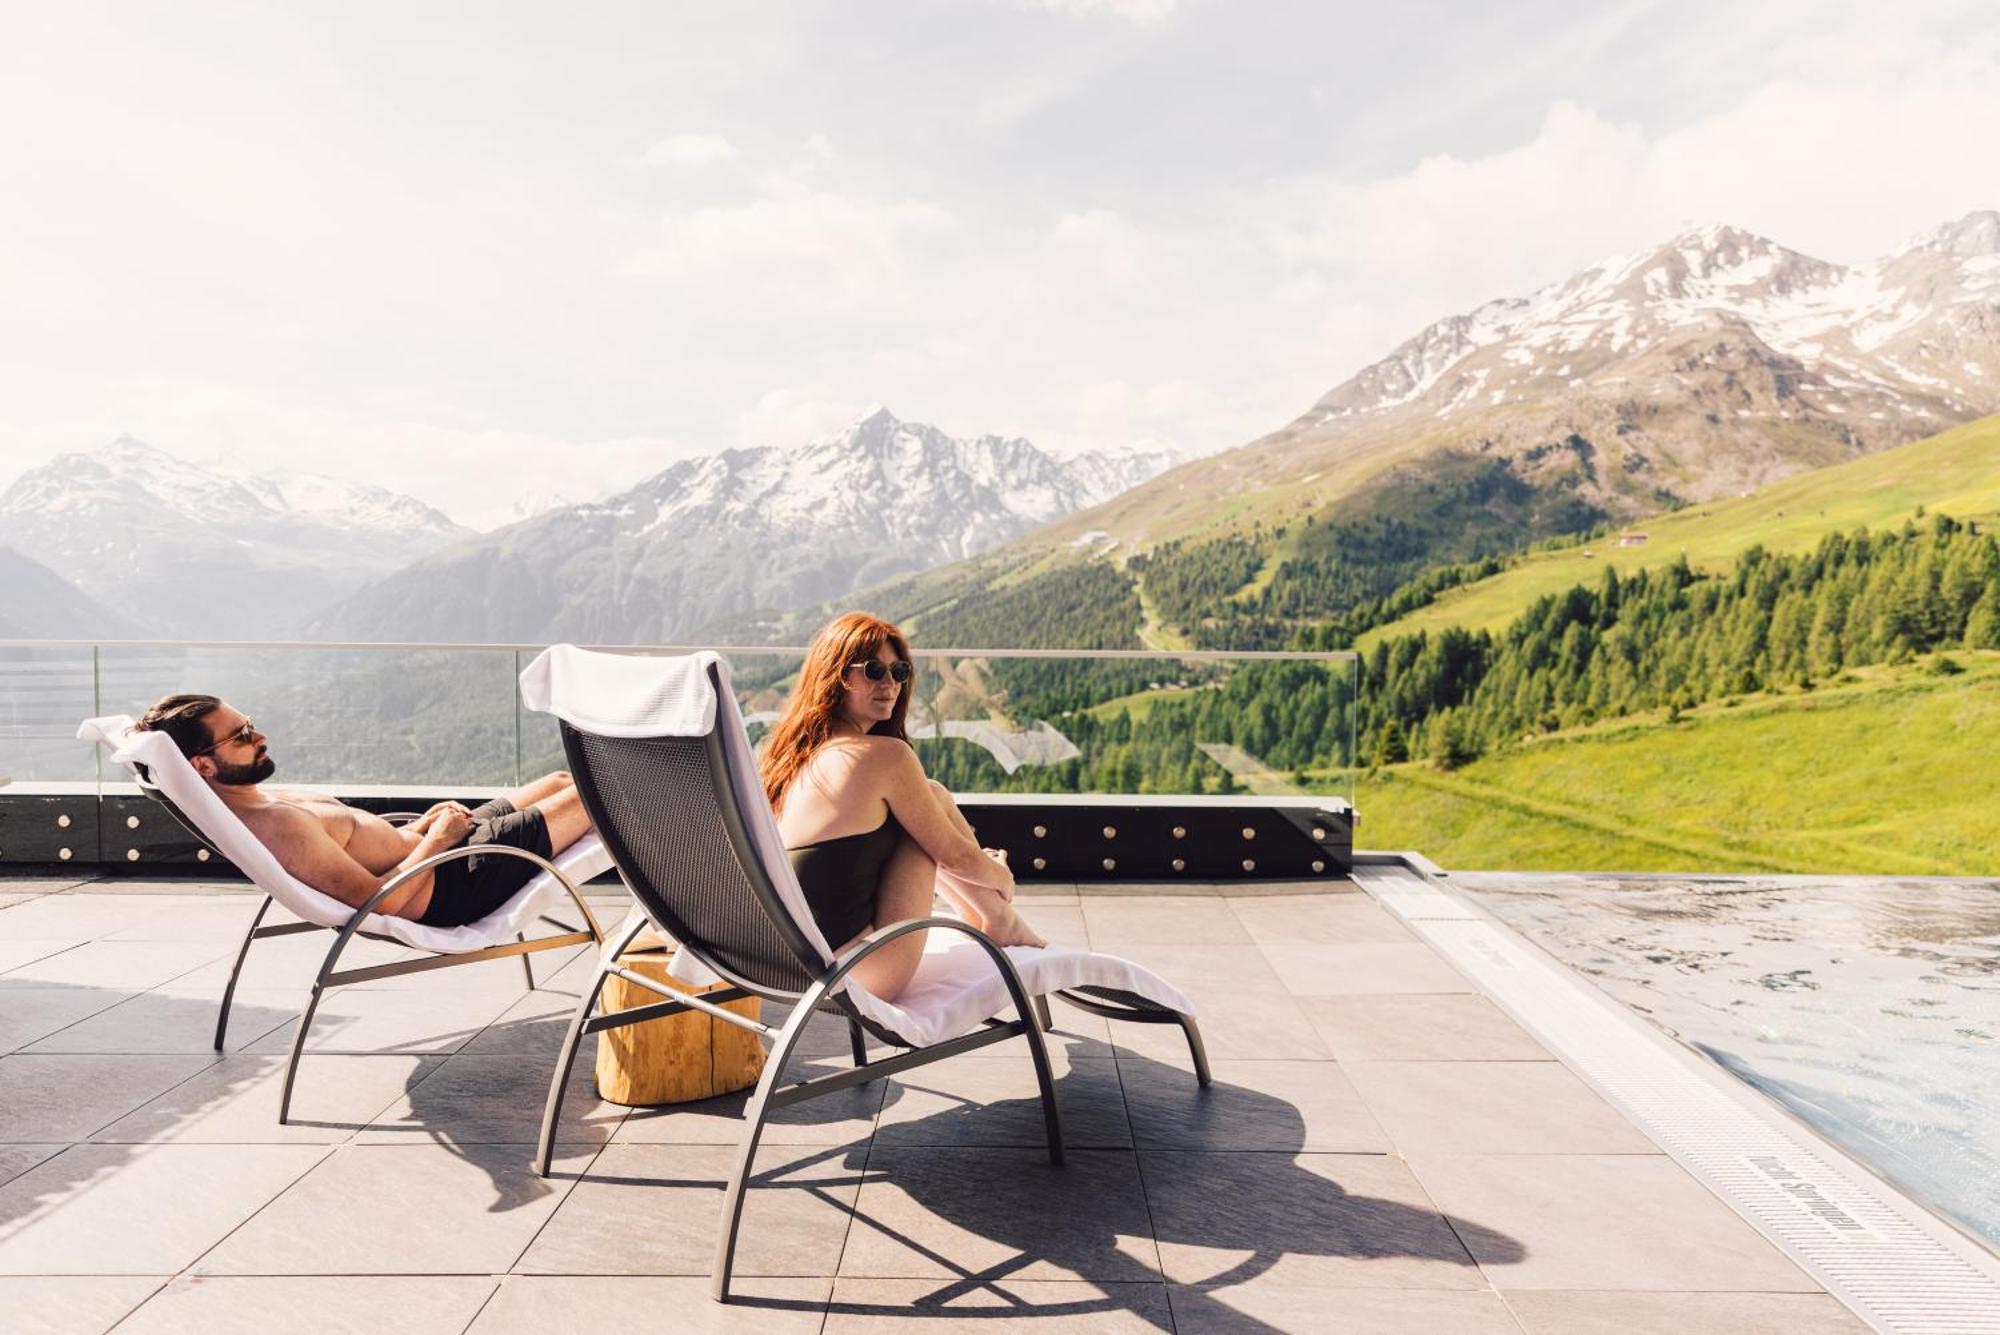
pixel 1220 1218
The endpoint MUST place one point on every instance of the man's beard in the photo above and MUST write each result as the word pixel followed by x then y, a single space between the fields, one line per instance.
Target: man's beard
pixel 241 776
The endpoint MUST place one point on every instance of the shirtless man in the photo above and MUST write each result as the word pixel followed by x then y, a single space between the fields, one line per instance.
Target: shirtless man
pixel 349 853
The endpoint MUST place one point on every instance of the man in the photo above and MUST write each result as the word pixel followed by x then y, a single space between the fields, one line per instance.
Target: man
pixel 350 854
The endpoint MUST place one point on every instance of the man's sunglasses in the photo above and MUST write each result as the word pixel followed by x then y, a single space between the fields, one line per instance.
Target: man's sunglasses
pixel 875 669
pixel 242 734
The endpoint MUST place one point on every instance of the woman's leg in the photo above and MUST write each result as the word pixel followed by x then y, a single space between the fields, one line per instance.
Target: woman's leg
pixel 904 892
pixel 984 907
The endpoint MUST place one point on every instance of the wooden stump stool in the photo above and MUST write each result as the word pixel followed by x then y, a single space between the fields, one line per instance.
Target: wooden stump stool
pixel 679 1058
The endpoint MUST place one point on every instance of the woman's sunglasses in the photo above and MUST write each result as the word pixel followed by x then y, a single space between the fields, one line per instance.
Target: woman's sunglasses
pixel 875 669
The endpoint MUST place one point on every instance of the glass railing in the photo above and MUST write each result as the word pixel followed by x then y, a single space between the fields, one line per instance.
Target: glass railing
pixel 986 721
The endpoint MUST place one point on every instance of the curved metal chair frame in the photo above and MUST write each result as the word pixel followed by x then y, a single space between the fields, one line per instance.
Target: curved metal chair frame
pixel 328 976
pixel 792 972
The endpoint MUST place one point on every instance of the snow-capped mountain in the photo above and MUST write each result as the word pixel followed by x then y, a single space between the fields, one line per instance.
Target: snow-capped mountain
pixel 1914 335
pixel 742 532
pixel 186 549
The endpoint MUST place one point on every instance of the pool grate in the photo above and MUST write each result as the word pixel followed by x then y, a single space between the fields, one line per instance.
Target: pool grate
pixel 1883 1255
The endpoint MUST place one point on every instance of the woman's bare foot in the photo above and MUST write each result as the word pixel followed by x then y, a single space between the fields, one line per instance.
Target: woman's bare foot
pixel 1009 928
pixel 989 911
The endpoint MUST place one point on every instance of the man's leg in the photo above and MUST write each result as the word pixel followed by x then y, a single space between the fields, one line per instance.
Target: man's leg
pixel 563 813
pixel 533 791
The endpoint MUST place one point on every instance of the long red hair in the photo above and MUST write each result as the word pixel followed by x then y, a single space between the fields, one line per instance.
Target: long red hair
pixel 807 723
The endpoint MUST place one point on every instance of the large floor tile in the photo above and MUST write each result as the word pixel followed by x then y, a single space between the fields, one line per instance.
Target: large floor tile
pixel 842 1117
pixel 1493 1108
pixel 1119 923
pixel 138 1209
pixel 77 915
pixel 174 1022
pixel 1576 1221
pixel 1252 1024
pixel 1001 1213
pixel 546 1304
pixel 312 1305
pixel 18 953
pixel 71 1305
pixel 219 918
pixel 927 1306
pixel 1252 1105
pixel 1307 1221
pixel 1311 970
pixel 656 1209
pixel 533 1025
pixel 966 1102
pixel 1201 972
pixel 46 1098
pixel 1442 1027
pixel 493 1099
pixel 358 1020
pixel 121 965
pixel 1558 1313
pixel 30 1014
pixel 399 1209
pixel 18 1159
pixel 1259 1308
pixel 1324 920
pixel 235 1102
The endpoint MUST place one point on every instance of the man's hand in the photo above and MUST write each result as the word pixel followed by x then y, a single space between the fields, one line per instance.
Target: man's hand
pixel 449 823
pixel 423 823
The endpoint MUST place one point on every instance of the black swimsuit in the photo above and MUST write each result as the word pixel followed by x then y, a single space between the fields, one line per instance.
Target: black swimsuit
pixel 840 877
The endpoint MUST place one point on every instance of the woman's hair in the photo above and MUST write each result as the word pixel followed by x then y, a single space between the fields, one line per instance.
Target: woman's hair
pixel 807 722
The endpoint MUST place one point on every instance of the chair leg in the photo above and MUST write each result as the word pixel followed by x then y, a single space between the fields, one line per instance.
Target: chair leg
pixel 229 988
pixel 545 1149
pixel 1195 1049
pixel 753 1131
pixel 298 1051
pixel 1043 1013
pixel 527 961
pixel 1038 1049
pixel 858 1042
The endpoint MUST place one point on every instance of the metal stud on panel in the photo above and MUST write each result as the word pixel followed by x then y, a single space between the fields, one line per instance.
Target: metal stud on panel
pixel 1041 832
pixel 63 853
pixel 1111 832
pixel 1180 864
pixel 131 855
pixel 1180 831
pixel 131 822
pixel 1249 832
pixel 1319 866
pixel 1249 864
pixel 62 822
pixel 1041 864
pixel 201 855
pixel 1110 864
pixel 1318 833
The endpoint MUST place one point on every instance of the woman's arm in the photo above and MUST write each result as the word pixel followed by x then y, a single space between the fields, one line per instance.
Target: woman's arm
pixel 910 800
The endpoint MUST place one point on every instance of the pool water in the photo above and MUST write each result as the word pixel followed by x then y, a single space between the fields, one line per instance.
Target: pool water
pixel 1868 1007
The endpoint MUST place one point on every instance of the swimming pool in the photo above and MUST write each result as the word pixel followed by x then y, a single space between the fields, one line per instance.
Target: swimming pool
pixel 1868 1007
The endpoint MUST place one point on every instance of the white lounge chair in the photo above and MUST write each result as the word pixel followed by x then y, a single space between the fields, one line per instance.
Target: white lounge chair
pixel 164 774
pixel 664 767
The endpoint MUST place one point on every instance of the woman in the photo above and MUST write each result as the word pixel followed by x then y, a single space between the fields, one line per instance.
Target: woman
pixel 871 837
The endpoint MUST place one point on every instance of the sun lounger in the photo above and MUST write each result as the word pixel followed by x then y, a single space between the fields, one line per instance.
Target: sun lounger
pixel 164 774
pixel 661 758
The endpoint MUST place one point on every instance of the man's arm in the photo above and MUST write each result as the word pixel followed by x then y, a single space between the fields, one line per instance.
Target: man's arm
pixel 303 848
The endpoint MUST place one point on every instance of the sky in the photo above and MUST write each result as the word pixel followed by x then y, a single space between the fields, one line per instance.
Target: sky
pixel 492 253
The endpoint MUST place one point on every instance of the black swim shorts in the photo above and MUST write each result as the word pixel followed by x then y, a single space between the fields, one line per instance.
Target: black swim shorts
pixel 467 889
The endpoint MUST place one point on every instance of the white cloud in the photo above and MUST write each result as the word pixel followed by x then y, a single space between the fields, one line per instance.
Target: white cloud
pixel 795 415
pixel 689 150
pixel 1142 12
pixel 808 243
pixel 1110 238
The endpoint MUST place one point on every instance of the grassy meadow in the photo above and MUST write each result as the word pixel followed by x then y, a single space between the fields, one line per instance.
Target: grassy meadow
pixel 1887 770
pixel 1955 473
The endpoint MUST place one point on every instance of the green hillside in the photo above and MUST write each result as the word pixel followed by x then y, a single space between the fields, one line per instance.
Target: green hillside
pixel 1955 473
pixel 1889 771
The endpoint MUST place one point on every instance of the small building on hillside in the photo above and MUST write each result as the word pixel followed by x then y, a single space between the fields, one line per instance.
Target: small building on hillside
pixel 1631 540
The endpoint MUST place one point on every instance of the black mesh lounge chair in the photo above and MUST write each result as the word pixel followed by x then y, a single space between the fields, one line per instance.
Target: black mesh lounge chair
pixel 163 774
pixel 661 758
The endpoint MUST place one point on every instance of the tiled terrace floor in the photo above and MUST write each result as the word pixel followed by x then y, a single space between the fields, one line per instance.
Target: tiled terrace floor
pixel 1383 1151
